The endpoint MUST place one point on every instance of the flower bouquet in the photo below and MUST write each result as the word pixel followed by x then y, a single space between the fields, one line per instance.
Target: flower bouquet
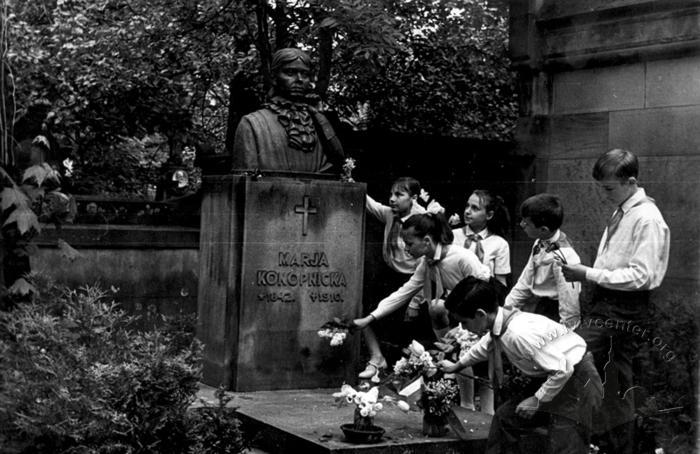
pixel 348 167
pixel 437 393
pixel 367 405
pixel 418 362
pixel 457 342
pixel 336 330
pixel 437 398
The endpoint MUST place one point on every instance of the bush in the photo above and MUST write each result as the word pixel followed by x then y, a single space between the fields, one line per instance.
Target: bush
pixel 76 377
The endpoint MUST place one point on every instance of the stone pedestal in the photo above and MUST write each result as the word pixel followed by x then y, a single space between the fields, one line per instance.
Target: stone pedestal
pixel 279 256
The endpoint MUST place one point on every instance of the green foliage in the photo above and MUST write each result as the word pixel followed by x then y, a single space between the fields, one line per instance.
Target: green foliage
pixel 115 73
pixel 76 377
pixel 215 430
pixel 37 198
pixel 448 73
pixel 669 379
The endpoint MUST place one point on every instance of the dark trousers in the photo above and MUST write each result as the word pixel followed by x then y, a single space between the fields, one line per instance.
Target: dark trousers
pixel 613 331
pixel 567 416
pixel 543 306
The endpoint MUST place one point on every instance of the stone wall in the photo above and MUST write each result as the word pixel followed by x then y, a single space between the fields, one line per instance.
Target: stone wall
pixel 151 268
pixel 597 75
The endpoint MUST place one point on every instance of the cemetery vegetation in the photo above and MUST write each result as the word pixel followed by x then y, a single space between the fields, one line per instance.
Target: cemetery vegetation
pixel 77 376
pixel 123 88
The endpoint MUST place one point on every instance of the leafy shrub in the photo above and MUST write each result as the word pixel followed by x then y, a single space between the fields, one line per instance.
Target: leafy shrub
pixel 75 376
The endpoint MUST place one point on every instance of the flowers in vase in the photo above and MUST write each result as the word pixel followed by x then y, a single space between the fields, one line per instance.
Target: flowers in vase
pixel 367 403
pixel 439 396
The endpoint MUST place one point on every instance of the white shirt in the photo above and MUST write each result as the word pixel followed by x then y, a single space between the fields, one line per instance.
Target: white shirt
pixel 537 346
pixel 457 264
pixel 542 277
pixel 496 249
pixel 397 259
pixel 636 257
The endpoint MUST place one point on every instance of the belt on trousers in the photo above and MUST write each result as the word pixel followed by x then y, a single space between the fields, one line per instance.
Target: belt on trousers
pixel 634 297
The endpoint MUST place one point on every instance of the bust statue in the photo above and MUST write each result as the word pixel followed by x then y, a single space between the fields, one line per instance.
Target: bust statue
pixel 288 133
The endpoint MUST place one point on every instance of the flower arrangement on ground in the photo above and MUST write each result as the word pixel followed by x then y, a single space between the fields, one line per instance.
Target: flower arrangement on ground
pixel 367 405
pixel 437 393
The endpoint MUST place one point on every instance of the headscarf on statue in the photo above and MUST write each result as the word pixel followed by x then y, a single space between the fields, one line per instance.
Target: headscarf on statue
pixel 302 120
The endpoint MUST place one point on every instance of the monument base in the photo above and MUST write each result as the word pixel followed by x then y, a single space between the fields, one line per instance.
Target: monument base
pixel 308 421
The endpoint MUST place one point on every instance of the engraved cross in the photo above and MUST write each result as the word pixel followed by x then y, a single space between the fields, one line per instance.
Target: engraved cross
pixel 306 210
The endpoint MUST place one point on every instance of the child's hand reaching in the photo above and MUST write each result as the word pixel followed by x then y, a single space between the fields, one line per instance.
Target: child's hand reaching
pixel 362 323
pixel 448 366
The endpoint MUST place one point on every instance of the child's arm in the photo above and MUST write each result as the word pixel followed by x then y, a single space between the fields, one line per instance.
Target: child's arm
pixel 652 242
pixel 402 295
pixel 567 292
pixel 558 359
pixel 651 247
pixel 501 266
pixel 521 291
pixel 376 209
pixel 476 354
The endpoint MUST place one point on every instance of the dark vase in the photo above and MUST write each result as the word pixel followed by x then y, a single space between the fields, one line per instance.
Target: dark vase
pixel 434 425
pixel 362 430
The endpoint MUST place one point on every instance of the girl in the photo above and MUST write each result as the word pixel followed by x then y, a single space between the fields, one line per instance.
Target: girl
pixel 402 204
pixel 441 266
pixel 486 220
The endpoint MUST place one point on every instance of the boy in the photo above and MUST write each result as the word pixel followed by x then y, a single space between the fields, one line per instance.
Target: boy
pixel 564 385
pixel 541 287
pixel 631 261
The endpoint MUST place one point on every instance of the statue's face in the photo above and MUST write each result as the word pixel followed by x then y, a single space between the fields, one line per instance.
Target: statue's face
pixel 293 80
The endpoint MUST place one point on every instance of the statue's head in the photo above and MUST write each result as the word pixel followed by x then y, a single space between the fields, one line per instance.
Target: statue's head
pixel 291 73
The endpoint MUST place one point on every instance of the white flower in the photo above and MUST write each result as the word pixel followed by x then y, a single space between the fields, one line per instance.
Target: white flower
pixel 400 365
pixel 434 207
pixel 454 219
pixel 424 195
pixel 403 405
pixel 417 348
pixel 68 164
pixel 364 411
pixel 377 407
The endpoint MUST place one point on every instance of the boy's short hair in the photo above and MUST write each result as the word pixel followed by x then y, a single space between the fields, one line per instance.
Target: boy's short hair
pixel 543 210
pixel 472 294
pixel 618 163
pixel 407 184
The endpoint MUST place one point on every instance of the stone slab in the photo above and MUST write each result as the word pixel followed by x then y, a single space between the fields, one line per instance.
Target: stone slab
pixel 598 89
pixel 657 132
pixel 564 8
pixel 578 136
pixel 673 82
pixel 308 421
pixel 280 257
pixel 619 34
